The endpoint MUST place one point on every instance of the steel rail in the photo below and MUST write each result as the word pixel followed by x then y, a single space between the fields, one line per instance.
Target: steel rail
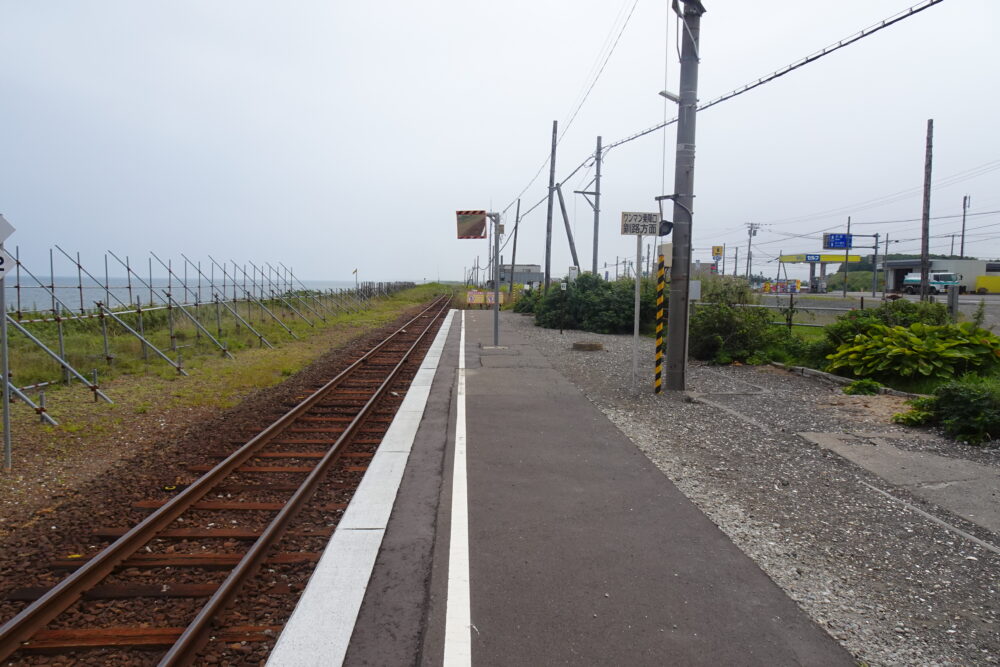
pixel 54 602
pixel 196 635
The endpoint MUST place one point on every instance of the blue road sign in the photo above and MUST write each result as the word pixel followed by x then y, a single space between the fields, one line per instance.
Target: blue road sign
pixel 838 241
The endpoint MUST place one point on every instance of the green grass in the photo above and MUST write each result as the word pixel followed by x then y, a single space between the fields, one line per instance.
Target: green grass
pixel 85 351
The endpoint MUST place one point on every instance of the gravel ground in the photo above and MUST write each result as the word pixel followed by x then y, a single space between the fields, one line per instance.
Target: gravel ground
pixel 894 587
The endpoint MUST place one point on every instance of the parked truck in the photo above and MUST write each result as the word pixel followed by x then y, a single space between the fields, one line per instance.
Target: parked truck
pixel 988 285
pixel 936 282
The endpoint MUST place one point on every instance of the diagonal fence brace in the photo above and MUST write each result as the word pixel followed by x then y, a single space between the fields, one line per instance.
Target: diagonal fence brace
pixel 59 360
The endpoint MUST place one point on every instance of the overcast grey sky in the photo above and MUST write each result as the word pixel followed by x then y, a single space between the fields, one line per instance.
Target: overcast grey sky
pixel 338 135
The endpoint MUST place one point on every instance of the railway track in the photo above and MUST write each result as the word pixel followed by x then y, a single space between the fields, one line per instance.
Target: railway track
pixel 216 565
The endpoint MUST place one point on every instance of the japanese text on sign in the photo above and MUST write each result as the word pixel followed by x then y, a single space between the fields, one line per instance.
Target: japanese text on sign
pixel 642 224
pixel 835 241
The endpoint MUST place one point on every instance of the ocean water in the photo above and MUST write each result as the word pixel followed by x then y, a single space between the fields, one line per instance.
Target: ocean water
pixel 26 295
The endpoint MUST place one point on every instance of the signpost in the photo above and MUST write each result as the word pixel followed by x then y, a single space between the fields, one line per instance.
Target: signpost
pixel 6 262
pixel 639 225
pixel 717 251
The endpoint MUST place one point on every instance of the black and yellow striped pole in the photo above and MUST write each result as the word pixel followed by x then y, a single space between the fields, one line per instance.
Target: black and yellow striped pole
pixel 660 287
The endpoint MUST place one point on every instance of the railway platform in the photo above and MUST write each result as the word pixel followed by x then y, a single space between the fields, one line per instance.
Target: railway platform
pixel 518 526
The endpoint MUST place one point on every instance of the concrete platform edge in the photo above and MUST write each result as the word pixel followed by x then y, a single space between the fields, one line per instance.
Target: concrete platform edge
pixel 319 630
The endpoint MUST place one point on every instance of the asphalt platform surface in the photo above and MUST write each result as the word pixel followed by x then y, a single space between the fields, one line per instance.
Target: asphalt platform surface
pixel 581 550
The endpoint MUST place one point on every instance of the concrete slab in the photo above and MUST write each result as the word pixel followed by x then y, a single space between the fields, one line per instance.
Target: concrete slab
pixel 416 398
pixel 967 489
pixel 399 437
pixel 319 630
pixel 372 502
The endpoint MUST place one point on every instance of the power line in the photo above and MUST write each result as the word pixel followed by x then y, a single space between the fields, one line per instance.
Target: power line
pixel 579 105
pixel 894 197
pixel 866 32
pixel 870 30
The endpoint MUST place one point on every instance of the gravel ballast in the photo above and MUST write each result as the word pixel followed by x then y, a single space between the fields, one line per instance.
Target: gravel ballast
pixel 894 586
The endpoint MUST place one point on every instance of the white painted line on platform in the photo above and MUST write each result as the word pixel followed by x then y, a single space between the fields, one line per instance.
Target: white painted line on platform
pixel 458 621
pixel 319 630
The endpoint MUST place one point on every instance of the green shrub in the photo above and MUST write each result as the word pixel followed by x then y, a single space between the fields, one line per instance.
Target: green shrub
pixel 944 351
pixel 968 409
pixel 723 334
pixel 900 312
pixel 593 304
pixel 553 310
pixel 528 301
pixel 726 289
pixel 863 387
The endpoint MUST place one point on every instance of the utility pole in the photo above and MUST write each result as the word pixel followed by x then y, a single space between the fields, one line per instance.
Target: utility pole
pixel 495 217
pixel 875 267
pixel 736 260
pixel 513 252
pixel 722 269
pixel 597 199
pixel 965 206
pixel 569 230
pixel 596 203
pixel 548 217
pixel 677 325
pixel 847 252
pixel 925 219
pixel 751 232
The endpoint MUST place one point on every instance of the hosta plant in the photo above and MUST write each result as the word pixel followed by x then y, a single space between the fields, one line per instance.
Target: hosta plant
pixel 933 351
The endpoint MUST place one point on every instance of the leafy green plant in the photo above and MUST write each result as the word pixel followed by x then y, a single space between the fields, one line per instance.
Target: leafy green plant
pixel 979 316
pixel 892 313
pixel 527 301
pixel 593 304
pixel 942 352
pixel 863 387
pixel 723 334
pixel 728 290
pixel 968 409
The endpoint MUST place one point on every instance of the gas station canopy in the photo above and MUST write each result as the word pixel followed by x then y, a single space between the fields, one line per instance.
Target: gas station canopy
pixel 822 259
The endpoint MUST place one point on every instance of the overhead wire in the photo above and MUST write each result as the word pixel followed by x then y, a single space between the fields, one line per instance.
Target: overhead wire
pixel 593 82
pixel 843 43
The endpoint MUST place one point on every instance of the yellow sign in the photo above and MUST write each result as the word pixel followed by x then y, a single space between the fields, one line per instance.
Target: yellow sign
pixel 480 298
pixel 717 252
pixel 826 259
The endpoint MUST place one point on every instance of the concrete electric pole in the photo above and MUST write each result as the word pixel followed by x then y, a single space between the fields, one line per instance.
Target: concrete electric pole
pixel 677 324
pixel 548 218
pixel 925 218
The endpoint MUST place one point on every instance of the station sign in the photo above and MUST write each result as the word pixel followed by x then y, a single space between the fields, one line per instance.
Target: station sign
pixel 838 241
pixel 471 224
pixel 640 224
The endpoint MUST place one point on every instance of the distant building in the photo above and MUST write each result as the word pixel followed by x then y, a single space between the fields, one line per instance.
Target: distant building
pixel 523 273
pixel 969 269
